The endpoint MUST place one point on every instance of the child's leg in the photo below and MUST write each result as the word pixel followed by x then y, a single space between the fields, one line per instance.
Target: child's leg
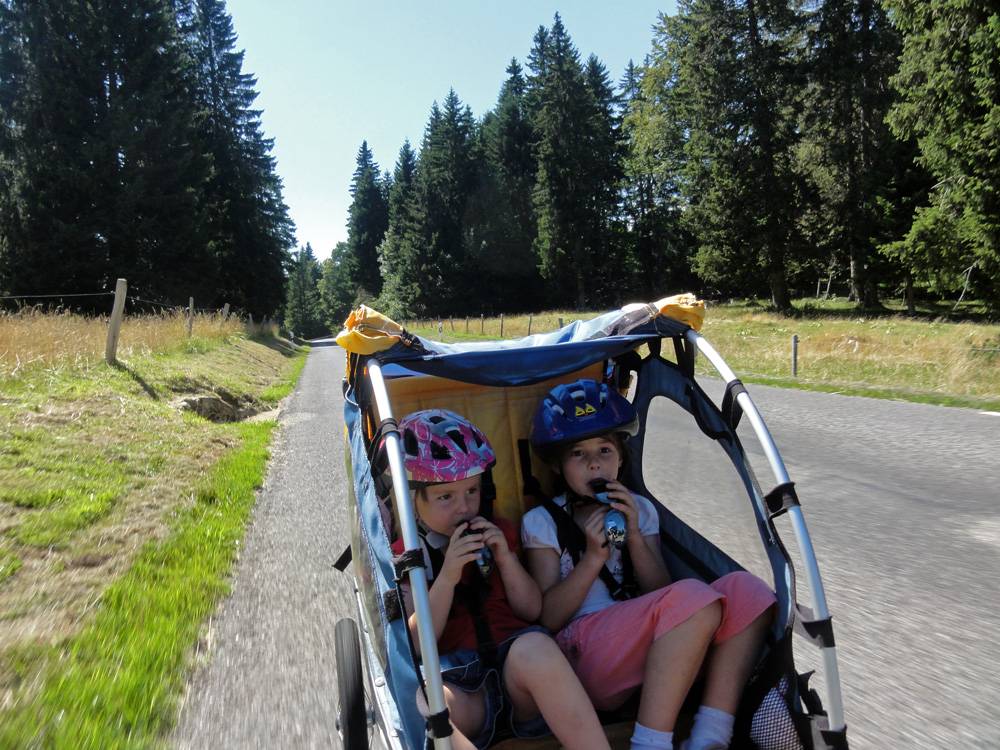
pixel 748 612
pixel 737 645
pixel 540 680
pixel 672 664
pixel 467 712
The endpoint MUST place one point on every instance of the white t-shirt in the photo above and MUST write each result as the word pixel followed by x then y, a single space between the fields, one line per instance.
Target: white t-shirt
pixel 538 531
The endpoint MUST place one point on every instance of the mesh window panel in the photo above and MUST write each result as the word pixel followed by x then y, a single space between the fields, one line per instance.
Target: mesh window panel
pixel 772 727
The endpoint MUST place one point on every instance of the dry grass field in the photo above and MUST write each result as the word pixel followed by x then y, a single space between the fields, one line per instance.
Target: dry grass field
pixel 31 340
pixel 922 359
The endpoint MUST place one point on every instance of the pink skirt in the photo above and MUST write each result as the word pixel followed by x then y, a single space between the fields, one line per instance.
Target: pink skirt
pixel 608 648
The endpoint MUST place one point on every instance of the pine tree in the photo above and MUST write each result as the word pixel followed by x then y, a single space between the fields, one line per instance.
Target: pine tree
pixel 500 219
pixel 569 194
pixel 660 252
pixel 303 310
pixel 366 224
pixel 445 178
pixel 336 293
pixel 949 84
pixel 733 72
pixel 101 179
pixel 249 231
pixel 856 167
pixel 401 252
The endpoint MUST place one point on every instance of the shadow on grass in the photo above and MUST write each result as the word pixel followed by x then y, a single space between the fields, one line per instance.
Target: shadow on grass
pixel 283 346
pixel 138 379
pixel 927 311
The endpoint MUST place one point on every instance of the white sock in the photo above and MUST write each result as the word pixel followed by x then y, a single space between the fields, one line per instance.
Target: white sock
pixel 712 730
pixel 644 738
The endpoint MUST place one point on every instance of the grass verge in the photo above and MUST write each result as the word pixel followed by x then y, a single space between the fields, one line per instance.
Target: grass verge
pixel 116 684
pixel 120 515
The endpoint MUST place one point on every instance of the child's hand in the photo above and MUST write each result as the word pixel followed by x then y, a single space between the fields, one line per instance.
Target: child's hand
pixel 623 500
pixel 597 543
pixel 461 551
pixel 492 537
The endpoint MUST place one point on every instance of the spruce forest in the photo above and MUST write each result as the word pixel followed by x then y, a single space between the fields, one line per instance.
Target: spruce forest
pixel 770 149
pixel 129 147
pixel 773 149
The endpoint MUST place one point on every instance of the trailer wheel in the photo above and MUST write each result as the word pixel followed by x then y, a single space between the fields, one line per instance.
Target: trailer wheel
pixel 352 720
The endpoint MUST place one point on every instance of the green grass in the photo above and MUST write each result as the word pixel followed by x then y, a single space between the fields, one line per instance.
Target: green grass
pixel 120 517
pixel 274 393
pixel 9 563
pixel 116 684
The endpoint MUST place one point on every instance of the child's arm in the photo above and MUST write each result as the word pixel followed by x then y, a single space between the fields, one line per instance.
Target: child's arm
pixel 562 598
pixel 461 550
pixel 523 594
pixel 650 570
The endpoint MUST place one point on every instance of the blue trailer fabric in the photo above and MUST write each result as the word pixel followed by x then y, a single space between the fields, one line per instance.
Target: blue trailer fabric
pixel 400 674
pixel 534 358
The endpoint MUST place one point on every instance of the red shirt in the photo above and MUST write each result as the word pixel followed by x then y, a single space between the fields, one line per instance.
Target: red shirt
pixel 460 630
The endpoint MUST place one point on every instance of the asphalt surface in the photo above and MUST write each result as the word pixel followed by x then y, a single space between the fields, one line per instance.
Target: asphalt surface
pixel 270 681
pixel 901 499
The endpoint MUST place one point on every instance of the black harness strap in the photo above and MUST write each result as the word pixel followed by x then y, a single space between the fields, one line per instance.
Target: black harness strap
pixel 572 540
pixel 472 597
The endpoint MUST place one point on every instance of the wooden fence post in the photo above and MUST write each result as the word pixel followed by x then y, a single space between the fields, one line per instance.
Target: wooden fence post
pixel 451 322
pixel 560 322
pixel 795 355
pixel 501 325
pixel 466 323
pixel 115 324
pixel 482 321
pixel 225 311
pixel 529 324
pixel 190 315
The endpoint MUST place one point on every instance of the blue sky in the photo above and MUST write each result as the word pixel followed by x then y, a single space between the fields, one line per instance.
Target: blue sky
pixel 333 73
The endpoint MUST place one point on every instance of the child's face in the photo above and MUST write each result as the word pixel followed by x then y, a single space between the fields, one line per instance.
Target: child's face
pixel 594 458
pixel 442 507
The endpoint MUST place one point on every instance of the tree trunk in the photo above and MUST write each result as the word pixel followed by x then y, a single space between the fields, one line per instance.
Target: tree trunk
pixel 779 290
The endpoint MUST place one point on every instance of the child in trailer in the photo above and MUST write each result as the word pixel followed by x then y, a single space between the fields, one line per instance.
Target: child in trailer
pixel 495 665
pixel 620 619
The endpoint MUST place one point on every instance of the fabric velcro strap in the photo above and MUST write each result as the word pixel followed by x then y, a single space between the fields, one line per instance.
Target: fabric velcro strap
pixel 438 725
pixel 731 410
pixel 819 631
pixel 410 559
pixel 393 603
pixel 781 498
pixel 386 426
pixel 344 560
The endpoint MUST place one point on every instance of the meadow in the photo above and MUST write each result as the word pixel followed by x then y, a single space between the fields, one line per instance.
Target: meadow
pixel 930 358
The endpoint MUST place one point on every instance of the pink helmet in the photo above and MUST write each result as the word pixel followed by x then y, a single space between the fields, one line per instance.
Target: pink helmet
pixel 441 446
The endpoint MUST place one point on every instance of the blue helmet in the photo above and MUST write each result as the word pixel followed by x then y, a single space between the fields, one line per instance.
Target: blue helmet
pixel 577 411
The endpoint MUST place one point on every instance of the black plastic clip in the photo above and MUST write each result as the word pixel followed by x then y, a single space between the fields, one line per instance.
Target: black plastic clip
pixel 819 631
pixel 731 410
pixel 344 560
pixel 439 725
pixel 781 498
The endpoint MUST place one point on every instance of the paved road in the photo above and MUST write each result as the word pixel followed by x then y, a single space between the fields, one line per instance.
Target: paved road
pixel 901 500
pixel 271 680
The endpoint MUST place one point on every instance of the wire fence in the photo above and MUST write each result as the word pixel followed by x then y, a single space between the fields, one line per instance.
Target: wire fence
pixel 140 306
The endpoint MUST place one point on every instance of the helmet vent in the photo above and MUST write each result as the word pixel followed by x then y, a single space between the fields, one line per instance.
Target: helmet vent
pixel 410 443
pixel 439 452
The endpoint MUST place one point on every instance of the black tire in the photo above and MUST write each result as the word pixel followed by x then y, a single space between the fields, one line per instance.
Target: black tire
pixel 352 720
